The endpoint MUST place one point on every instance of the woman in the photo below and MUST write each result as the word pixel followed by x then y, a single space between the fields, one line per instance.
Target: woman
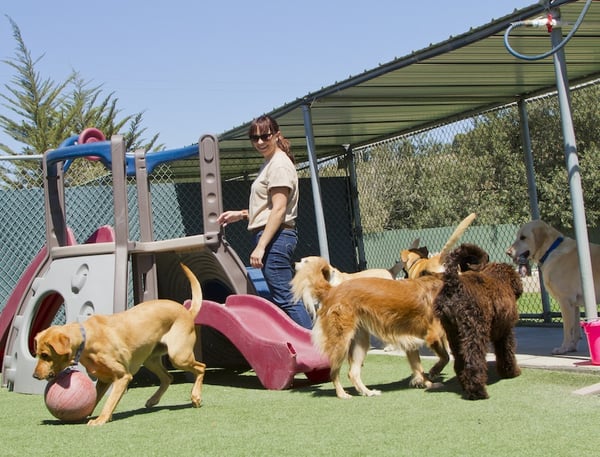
pixel 271 215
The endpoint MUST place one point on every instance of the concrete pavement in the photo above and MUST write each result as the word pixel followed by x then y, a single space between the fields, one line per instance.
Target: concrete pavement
pixel 534 350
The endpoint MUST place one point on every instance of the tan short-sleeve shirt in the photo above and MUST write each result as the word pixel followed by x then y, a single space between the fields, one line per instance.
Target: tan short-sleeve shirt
pixel 278 171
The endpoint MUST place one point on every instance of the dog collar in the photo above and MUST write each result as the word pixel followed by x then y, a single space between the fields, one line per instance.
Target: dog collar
pixel 410 266
pixel 551 248
pixel 81 346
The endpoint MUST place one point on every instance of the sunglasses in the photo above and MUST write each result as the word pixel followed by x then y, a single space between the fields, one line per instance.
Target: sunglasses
pixel 264 137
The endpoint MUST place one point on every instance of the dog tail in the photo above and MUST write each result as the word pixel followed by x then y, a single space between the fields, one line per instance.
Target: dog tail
pixel 313 295
pixel 451 269
pixel 196 291
pixel 458 232
pixel 465 257
pixel 302 291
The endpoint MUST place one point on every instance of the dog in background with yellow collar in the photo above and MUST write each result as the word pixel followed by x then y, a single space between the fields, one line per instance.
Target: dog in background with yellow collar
pixel 417 261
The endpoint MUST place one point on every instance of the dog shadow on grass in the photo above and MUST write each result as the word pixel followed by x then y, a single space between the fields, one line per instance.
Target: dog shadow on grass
pixel 327 390
pixel 123 414
pixel 244 378
pixel 154 409
pixel 451 384
pixel 446 383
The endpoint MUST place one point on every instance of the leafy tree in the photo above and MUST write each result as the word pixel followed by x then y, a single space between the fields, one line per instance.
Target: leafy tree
pixel 549 159
pixel 48 112
pixel 421 181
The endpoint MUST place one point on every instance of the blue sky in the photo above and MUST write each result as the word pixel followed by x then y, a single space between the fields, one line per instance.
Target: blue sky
pixel 197 67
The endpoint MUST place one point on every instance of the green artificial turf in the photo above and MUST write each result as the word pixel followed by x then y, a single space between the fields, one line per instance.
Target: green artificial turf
pixel 536 414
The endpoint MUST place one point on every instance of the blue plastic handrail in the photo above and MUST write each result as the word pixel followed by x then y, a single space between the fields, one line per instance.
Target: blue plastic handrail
pixel 68 151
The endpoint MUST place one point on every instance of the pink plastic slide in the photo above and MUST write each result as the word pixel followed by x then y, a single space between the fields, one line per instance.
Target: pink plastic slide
pixel 37 265
pixel 272 344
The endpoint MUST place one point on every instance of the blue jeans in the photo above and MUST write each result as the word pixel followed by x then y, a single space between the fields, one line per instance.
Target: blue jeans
pixel 278 273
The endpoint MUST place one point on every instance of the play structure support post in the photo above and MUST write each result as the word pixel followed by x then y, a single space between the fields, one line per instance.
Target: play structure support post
pixel 54 195
pixel 210 172
pixel 212 206
pixel 117 145
pixel 143 265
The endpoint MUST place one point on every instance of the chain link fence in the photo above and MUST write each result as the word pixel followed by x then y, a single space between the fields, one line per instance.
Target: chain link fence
pixel 377 200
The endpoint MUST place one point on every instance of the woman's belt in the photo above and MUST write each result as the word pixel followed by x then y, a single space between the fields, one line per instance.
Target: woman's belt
pixel 286 225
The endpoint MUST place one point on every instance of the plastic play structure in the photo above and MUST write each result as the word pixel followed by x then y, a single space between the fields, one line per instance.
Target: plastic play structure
pixel 92 277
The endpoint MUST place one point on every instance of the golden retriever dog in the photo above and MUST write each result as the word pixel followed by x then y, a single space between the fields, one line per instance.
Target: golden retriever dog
pixel 557 258
pixel 112 348
pixel 302 290
pixel 417 261
pixel 397 312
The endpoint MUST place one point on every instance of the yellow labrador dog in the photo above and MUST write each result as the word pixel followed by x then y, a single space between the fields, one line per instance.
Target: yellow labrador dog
pixel 112 348
pixel 557 258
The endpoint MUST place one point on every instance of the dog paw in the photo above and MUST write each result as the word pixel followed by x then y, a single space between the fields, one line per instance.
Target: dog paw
pixel 344 395
pixel 563 350
pixel 508 374
pixel 435 385
pixel 98 421
pixel 420 382
pixel 152 402
pixel 371 393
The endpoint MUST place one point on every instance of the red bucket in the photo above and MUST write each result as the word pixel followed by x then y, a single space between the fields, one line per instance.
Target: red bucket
pixel 592 331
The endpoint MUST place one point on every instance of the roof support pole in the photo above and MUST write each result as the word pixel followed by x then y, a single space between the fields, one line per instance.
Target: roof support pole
pixel 581 235
pixel 357 221
pixel 532 191
pixel 314 180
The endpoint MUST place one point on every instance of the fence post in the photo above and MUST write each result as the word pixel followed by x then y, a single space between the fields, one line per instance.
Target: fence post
pixel 533 202
pixel 314 179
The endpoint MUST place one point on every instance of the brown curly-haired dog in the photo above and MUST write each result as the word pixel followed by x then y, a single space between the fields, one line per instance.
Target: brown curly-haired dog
pixel 476 308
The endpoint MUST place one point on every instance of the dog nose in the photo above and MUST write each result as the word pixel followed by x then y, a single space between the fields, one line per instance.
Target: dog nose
pixel 37 374
pixel 509 251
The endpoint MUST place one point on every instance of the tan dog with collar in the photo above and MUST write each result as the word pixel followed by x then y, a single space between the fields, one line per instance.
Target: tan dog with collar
pixel 116 346
pixel 417 261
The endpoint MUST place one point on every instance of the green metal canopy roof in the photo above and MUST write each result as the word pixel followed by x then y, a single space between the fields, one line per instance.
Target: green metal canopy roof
pixel 469 73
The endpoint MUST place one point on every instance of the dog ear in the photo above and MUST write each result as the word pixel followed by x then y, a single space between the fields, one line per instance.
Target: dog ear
pixel 415 243
pixel 423 251
pixel 35 341
pixel 539 234
pixel 326 271
pixel 60 344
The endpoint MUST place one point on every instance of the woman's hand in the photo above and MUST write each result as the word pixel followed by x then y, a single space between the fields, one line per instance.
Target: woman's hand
pixel 256 257
pixel 231 216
